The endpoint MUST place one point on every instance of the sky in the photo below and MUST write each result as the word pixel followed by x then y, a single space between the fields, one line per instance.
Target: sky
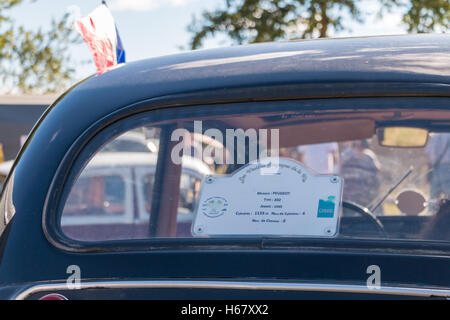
pixel 150 28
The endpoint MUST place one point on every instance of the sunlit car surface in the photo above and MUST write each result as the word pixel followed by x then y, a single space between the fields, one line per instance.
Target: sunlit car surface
pixel 310 169
pixel 5 167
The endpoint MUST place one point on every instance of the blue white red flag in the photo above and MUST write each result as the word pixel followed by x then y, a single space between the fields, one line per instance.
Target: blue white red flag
pixel 100 33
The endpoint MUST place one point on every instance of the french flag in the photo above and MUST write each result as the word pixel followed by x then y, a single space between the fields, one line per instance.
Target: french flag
pixel 101 35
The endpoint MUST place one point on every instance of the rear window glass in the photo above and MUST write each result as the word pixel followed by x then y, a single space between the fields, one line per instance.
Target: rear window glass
pixel 266 171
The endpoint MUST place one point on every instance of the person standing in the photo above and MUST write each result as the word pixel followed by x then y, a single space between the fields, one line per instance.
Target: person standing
pixel 360 169
pixel 323 158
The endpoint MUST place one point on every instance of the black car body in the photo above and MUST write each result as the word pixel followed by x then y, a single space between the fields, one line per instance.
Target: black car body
pixel 379 73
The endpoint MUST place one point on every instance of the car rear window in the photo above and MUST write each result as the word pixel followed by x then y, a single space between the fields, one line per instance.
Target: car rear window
pixel 265 170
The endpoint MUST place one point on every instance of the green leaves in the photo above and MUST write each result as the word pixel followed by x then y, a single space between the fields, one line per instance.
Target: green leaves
pixel 35 61
pixel 248 21
pixel 427 16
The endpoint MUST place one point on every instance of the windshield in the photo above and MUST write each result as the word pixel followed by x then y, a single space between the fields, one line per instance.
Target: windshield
pixel 202 176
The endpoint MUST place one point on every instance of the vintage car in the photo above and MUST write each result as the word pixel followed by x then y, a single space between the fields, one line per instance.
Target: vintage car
pixel 322 171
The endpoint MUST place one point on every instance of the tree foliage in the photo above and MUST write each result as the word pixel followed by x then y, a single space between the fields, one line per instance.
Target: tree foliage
pixel 423 15
pixel 245 21
pixel 34 60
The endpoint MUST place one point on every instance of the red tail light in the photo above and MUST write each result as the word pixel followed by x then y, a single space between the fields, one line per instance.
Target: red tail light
pixel 53 296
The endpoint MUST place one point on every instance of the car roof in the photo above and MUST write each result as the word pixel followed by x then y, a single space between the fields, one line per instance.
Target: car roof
pixel 134 159
pixel 426 55
pixel 412 59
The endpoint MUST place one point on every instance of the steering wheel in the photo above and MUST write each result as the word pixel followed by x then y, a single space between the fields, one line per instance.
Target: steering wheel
pixel 367 214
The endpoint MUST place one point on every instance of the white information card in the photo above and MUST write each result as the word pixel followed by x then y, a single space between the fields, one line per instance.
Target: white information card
pixel 290 202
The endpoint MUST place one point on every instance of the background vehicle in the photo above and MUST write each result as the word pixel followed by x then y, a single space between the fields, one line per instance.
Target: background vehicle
pixel 122 182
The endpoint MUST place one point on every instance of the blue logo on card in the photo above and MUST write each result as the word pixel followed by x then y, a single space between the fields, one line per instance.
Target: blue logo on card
pixel 326 208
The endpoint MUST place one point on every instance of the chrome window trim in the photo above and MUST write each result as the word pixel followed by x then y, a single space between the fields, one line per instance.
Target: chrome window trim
pixel 238 285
